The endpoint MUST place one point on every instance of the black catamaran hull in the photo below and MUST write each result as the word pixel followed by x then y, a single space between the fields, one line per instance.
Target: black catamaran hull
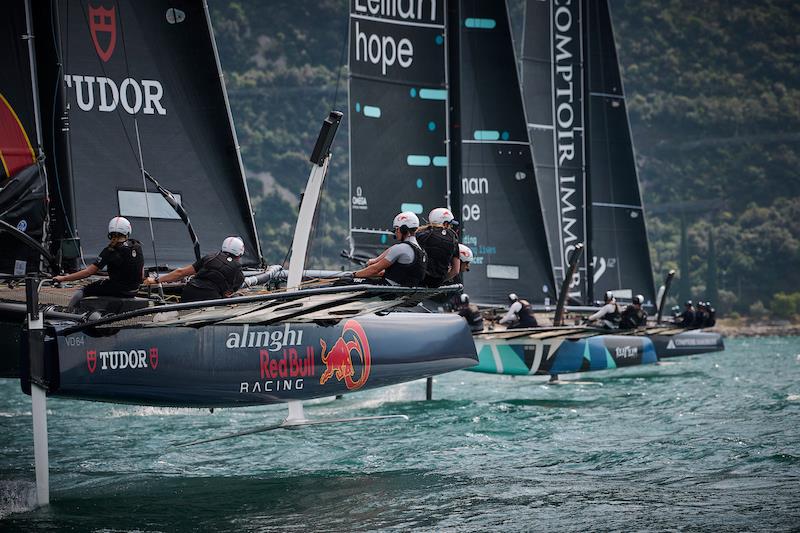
pixel 675 343
pixel 240 365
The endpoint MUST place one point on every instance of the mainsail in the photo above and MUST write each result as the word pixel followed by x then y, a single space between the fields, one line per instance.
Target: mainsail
pixel 501 211
pixel 621 256
pixel 398 116
pixel 22 183
pixel 142 90
pixel 552 71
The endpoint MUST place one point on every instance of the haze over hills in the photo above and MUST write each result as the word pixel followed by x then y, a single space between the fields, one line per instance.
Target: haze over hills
pixel 714 98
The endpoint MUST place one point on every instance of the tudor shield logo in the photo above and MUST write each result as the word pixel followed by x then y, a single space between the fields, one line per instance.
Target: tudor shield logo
pixel 153 358
pixel 352 347
pixel 91 360
pixel 103 27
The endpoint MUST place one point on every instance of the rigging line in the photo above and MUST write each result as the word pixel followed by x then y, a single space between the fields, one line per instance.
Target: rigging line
pixel 73 232
pixel 101 64
pixel 147 203
pixel 138 146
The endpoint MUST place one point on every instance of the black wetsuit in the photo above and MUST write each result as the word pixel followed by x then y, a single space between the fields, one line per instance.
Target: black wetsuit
pixel 711 317
pixel 441 246
pixel 125 265
pixel 472 316
pixel 633 318
pixel 217 274
pixel 686 319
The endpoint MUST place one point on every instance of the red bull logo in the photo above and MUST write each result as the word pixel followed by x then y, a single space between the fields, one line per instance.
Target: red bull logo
pixel 351 347
pixel 103 23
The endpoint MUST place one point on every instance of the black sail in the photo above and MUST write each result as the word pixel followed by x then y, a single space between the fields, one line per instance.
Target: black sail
pixel 143 89
pixel 621 258
pixel 553 85
pixel 501 211
pixel 22 186
pixel 398 116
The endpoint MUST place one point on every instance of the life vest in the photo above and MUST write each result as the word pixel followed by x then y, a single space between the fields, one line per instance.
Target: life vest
pixel 526 318
pixel 220 272
pixel 614 316
pixel 440 244
pixel 127 270
pixel 411 274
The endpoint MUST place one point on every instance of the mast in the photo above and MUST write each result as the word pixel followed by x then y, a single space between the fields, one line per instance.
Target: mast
pixel 587 155
pixel 453 77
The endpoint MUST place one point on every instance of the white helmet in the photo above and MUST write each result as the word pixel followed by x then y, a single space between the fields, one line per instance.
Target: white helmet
pixel 513 297
pixel 465 253
pixel 233 246
pixel 465 298
pixel 406 219
pixel 119 225
pixel 440 215
pixel 638 299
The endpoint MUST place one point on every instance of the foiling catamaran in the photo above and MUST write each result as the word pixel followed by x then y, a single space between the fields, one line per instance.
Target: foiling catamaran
pixel 110 96
pixel 585 166
pixel 444 124
pixel 459 135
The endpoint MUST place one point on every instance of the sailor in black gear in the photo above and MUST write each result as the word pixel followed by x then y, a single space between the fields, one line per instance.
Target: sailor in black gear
pixel 633 316
pixel 441 245
pixel 470 313
pixel 700 315
pixel 711 316
pixel 122 258
pixel 216 275
pixel 403 263
pixel 520 314
pixel 686 318
pixel 609 314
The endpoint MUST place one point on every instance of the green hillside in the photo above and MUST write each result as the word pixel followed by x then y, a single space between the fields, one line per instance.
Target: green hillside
pixel 714 95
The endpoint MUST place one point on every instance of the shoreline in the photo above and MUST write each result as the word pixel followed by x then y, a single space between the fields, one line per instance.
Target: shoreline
pixel 741 327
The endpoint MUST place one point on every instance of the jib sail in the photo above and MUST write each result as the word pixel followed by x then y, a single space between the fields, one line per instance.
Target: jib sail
pixel 22 184
pixel 553 81
pixel 621 258
pixel 142 86
pixel 501 211
pixel 398 117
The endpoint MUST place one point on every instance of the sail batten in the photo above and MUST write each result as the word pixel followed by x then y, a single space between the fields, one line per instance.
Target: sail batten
pixel 501 210
pixel 398 118
pixel 621 257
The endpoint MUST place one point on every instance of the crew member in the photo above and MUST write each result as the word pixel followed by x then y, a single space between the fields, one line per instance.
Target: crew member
pixel 122 258
pixel 686 318
pixel 403 263
pixel 520 314
pixel 609 314
pixel 633 316
pixel 700 315
pixel 441 245
pixel 216 275
pixel 711 316
pixel 470 313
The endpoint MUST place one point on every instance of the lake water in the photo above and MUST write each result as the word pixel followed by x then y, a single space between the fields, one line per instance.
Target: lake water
pixel 705 442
